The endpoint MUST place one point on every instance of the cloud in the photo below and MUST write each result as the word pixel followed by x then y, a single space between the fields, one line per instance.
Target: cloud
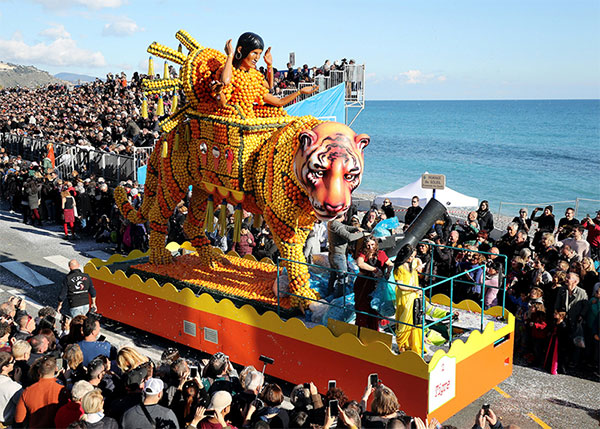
pixel 91 4
pixel 121 26
pixel 57 31
pixel 413 77
pixel 61 51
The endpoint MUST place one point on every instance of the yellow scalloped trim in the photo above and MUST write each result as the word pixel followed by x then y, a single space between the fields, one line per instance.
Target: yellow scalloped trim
pixel 378 353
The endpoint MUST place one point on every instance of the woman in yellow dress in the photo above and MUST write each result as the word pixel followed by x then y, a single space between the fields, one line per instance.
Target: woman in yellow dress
pixel 406 271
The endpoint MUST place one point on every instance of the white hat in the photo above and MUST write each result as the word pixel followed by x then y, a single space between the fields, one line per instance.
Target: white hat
pixel 219 401
pixel 153 386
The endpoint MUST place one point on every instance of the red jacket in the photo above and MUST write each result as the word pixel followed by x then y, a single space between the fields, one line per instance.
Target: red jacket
pixel 67 414
pixel 593 233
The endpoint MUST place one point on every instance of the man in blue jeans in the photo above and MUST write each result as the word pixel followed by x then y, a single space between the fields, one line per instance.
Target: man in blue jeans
pixel 76 287
pixel 338 237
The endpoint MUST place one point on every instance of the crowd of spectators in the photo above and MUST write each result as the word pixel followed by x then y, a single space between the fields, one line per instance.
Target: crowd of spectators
pixel 552 282
pixel 550 267
pixel 61 372
pixel 104 115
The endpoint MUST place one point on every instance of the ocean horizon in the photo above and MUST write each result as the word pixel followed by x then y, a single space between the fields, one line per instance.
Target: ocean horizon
pixel 518 151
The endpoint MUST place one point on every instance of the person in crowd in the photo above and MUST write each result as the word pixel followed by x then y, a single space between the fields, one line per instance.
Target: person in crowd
pixel 546 223
pixel 76 287
pixel 272 412
pixel 21 351
pixel 548 251
pixel 555 360
pixel 506 243
pixel 10 390
pixel 593 329
pixel 339 236
pixel 412 212
pixel 72 411
pixel 133 381
pixel 92 405
pixel 388 208
pixel 576 242
pixel 74 370
pixel 25 327
pixel 129 358
pixel 567 223
pixel 373 264
pixel 39 402
pixel 90 346
pixel 75 334
pixel 384 407
pixel 485 217
pixel 589 276
pixel 523 220
pixel 185 405
pixel 406 273
pixel 246 243
pixel 219 374
pixel 568 255
pixel 39 348
pixel 370 220
pixel 149 414
pixel 573 300
pixel 69 208
pixel 252 384
pixel 593 229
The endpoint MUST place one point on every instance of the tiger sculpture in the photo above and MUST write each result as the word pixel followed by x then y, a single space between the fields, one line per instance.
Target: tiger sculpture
pixel 289 170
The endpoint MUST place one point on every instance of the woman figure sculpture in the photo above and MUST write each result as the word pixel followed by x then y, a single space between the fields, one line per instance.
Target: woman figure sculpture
pixel 242 84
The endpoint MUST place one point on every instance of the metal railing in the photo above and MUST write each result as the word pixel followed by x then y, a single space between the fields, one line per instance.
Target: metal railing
pixel 425 290
pixel 353 76
pixel 584 205
pixel 111 166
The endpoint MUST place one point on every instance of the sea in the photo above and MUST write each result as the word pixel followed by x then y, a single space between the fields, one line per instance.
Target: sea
pixel 526 152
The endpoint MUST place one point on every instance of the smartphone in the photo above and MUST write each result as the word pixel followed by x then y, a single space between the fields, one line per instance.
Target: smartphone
pixel 373 380
pixel 101 338
pixel 331 385
pixel 193 371
pixel 60 364
pixel 333 408
pixel 486 409
pixel 51 320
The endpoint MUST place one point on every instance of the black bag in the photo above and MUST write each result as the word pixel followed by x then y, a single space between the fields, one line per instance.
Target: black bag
pixel 417 311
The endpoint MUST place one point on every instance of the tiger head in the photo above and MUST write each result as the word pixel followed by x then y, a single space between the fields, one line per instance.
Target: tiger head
pixel 329 165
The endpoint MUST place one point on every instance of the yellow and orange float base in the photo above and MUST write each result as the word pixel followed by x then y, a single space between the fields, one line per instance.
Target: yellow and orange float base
pixel 438 388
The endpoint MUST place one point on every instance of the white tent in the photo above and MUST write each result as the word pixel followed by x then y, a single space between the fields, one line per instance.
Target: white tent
pixel 449 197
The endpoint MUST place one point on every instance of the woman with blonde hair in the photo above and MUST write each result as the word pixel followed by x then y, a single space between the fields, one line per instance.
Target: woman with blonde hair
pixel 589 275
pixel 129 358
pixel 74 370
pixel 93 408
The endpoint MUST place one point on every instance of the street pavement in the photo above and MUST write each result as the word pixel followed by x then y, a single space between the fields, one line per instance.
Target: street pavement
pixel 33 262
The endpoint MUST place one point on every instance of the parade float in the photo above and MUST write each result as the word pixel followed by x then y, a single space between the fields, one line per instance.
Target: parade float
pixel 232 149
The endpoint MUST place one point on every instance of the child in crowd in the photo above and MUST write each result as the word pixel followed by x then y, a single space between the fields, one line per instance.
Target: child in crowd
pixel 556 355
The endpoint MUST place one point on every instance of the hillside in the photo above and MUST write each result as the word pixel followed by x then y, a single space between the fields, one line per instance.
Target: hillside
pixel 26 76
pixel 74 77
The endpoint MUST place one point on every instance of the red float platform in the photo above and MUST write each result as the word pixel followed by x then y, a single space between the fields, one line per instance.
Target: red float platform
pixel 439 388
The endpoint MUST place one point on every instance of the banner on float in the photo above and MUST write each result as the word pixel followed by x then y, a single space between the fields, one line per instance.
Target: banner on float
pixel 326 105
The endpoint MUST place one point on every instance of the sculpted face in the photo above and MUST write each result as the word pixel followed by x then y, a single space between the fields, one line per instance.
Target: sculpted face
pixel 329 165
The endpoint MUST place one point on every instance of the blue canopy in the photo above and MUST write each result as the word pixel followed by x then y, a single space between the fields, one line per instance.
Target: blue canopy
pixel 328 104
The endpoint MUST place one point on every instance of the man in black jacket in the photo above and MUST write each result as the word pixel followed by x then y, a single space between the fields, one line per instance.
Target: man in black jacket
pixel 76 286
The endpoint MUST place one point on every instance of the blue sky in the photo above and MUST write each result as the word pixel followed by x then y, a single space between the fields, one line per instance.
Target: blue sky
pixel 412 50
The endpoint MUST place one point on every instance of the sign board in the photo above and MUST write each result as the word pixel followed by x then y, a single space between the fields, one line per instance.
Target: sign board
pixel 433 181
pixel 292 59
pixel 442 383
